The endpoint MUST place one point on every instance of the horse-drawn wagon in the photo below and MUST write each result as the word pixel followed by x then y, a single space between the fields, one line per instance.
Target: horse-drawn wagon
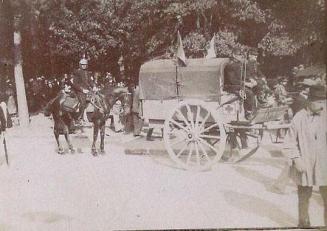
pixel 194 111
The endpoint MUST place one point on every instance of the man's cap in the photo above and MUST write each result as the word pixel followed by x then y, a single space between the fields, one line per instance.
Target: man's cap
pixel 83 61
pixel 317 92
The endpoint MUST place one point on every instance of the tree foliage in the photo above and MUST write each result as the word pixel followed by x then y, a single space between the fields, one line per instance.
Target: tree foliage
pixel 61 31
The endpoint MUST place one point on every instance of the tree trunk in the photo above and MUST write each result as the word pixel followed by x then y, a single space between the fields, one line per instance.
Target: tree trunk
pixel 19 79
pixel 5 46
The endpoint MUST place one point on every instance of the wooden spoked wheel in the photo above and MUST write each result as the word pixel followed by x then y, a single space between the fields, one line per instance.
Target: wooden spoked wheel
pixel 194 137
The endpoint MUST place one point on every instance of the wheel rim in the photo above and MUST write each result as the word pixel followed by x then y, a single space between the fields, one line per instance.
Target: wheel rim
pixel 194 137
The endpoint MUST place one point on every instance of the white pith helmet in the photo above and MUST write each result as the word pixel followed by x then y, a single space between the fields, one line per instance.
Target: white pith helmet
pixel 83 61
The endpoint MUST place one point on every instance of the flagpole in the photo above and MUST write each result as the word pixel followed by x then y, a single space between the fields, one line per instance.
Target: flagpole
pixel 177 83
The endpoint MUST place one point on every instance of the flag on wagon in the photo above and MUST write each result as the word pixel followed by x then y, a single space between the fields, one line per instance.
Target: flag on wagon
pixel 181 58
pixel 211 52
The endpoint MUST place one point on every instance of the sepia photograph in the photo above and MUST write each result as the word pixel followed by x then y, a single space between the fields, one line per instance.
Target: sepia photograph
pixel 163 115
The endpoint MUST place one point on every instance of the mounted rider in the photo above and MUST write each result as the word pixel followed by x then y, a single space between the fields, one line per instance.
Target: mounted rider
pixel 82 83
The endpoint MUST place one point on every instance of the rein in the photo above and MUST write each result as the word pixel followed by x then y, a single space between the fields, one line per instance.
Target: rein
pixel 93 101
pixel 97 100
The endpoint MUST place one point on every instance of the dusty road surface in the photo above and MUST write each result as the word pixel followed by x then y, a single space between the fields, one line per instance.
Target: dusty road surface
pixel 42 190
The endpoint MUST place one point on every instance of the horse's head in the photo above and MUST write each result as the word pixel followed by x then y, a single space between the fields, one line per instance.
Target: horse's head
pixel 47 110
pixel 53 106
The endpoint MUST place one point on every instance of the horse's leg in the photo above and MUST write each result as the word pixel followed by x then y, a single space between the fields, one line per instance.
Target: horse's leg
pixel 71 147
pixel 60 148
pixel 102 134
pixel 95 137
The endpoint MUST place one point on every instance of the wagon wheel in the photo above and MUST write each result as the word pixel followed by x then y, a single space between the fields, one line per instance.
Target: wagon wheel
pixel 194 137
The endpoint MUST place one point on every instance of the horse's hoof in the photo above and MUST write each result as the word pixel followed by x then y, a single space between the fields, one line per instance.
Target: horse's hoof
pixel 61 151
pixel 72 150
pixel 94 152
pixel 102 152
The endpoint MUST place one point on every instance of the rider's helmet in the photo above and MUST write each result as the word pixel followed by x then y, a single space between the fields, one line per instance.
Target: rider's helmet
pixel 83 63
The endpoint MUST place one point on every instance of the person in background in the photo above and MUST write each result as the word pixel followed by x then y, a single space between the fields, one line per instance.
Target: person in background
pixel 305 145
pixel 280 91
pixel 264 94
pixel 300 101
pixel 11 102
pixel 97 80
pixel 116 116
pixel 137 120
pixel 109 80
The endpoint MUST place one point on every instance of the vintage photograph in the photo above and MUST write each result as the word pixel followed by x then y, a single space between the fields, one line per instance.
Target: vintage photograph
pixel 163 115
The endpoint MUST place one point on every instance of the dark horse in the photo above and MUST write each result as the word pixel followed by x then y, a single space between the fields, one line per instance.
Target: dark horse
pixel 63 120
pixel 103 102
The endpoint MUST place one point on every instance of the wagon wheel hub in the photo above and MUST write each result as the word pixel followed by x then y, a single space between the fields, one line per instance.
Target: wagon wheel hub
pixel 193 136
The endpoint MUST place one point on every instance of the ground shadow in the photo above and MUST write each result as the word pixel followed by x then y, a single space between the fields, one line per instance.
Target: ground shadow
pixel 260 207
pixel 271 149
pixel 254 175
pixel 274 162
pixel 46 217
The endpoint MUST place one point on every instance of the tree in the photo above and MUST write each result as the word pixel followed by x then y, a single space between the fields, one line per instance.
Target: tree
pixel 141 30
pixel 6 41
pixel 297 27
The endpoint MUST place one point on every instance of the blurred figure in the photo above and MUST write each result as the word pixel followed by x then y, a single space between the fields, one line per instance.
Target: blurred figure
pixel 117 110
pixel 280 91
pixel 109 80
pixel 11 102
pixel 136 107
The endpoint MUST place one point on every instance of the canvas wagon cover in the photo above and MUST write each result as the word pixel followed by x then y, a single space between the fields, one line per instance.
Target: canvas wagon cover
pixel 201 78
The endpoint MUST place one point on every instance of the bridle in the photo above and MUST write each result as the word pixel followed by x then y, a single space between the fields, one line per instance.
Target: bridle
pixel 97 98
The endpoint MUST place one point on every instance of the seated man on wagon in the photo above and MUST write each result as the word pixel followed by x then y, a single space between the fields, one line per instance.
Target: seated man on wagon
pixel 235 85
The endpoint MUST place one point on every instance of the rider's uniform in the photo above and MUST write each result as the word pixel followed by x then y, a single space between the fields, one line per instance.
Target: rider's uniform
pixel 82 81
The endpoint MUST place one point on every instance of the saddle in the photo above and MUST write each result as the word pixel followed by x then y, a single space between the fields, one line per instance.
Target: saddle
pixel 70 104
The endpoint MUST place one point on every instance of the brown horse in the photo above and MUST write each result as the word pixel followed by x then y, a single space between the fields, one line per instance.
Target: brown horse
pixel 103 102
pixel 63 120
